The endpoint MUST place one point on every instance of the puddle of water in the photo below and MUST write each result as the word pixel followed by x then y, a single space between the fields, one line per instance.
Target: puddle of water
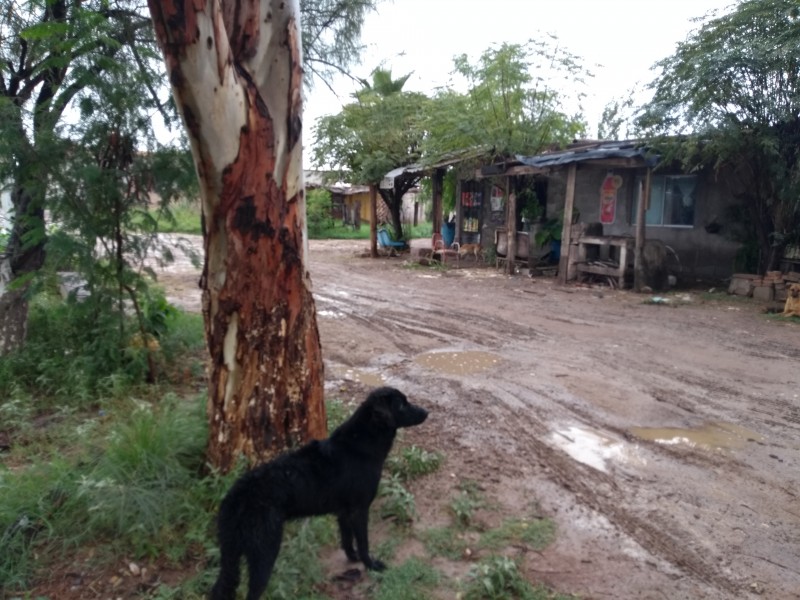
pixel 714 435
pixel 363 377
pixel 589 447
pixel 331 314
pixel 458 363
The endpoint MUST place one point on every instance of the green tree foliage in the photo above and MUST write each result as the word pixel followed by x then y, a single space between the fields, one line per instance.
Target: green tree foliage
pixel 318 210
pixel 331 36
pixel 63 58
pixel 734 85
pixel 74 74
pixel 512 106
pixel 617 120
pixel 381 130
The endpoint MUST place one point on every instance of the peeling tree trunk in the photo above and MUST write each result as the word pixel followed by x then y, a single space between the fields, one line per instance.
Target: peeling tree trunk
pixel 24 255
pixel 236 72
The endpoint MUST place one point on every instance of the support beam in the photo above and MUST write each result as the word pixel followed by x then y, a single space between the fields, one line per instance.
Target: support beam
pixel 566 230
pixel 511 226
pixel 437 185
pixel 639 272
pixel 373 221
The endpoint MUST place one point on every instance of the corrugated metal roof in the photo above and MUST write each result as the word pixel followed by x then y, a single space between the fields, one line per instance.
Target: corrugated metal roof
pixel 583 151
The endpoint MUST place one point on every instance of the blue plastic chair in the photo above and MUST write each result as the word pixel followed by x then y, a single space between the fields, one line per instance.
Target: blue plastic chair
pixel 387 242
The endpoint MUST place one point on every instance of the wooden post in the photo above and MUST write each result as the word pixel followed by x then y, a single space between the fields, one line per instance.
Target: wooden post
pixel 566 230
pixel 373 221
pixel 437 183
pixel 639 274
pixel 459 212
pixel 511 226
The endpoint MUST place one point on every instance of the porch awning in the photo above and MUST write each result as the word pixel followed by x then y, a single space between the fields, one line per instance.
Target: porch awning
pixel 611 154
pixel 594 152
pixel 387 183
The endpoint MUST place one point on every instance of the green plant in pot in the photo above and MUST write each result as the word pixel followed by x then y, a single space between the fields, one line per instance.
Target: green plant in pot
pixel 549 233
pixel 532 209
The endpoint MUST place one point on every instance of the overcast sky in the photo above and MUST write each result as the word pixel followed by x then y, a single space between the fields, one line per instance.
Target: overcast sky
pixel 619 40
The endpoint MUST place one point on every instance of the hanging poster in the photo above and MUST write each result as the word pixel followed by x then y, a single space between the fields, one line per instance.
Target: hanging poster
pixel 497 198
pixel 608 198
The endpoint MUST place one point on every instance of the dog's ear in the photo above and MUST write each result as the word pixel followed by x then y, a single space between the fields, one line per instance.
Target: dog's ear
pixel 383 415
pixel 383 402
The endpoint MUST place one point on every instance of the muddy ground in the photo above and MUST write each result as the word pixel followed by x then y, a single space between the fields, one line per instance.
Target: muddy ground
pixel 663 439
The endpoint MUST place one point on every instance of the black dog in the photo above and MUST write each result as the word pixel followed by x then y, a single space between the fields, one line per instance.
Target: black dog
pixel 338 476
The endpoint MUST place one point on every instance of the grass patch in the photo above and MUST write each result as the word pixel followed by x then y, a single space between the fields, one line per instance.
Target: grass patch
pixel 499 578
pixel 445 541
pixel 295 576
pixel 75 359
pixel 134 489
pixel 535 533
pixel 337 231
pixel 181 217
pixel 464 505
pixel 412 580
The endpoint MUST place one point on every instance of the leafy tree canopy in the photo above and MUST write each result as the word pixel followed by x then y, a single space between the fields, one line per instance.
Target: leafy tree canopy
pixel 76 75
pixel 734 86
pixel 512 105
pixel 382 129
pixel 332 36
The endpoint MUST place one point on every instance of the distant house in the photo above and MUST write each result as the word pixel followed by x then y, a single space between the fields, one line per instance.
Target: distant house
pixel 350 203
pixel 688 214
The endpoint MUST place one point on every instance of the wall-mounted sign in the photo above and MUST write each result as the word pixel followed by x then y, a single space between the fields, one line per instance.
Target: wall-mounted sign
pixel 608 198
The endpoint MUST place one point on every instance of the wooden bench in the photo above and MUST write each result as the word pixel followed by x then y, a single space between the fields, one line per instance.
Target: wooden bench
pixel 616 271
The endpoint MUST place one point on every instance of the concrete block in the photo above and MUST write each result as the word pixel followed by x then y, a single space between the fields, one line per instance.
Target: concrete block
pixel 764 293
pixel 741 287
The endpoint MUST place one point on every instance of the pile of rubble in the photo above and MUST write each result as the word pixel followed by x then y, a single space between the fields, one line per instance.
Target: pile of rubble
pixel 767 288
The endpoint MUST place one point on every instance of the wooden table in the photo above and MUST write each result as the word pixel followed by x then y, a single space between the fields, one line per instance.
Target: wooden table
pixel 624 247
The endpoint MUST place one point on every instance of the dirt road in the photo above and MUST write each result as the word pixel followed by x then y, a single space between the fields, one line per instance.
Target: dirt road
pixel 664 439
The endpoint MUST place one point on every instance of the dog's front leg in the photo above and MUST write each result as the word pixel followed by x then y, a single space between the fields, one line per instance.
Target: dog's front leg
pixel 360 525
pixel 346 536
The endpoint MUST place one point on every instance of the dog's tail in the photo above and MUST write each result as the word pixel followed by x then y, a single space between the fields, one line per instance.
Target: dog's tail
pixel 231 548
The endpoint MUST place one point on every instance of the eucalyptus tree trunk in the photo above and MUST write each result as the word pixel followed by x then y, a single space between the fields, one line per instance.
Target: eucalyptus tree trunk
pixel 236 73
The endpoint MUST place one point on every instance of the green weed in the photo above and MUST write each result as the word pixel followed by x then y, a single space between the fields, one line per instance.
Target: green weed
pixel 412 462
pixel 468 500
pixel 76 357
pixel 398 503
pixel 498 578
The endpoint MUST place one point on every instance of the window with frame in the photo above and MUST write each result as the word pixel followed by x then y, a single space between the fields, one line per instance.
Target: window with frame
pixel 672 200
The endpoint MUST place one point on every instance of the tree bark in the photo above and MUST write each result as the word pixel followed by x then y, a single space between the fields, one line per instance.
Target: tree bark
pixel 236 74
pixel 373 221
pixel 25 254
